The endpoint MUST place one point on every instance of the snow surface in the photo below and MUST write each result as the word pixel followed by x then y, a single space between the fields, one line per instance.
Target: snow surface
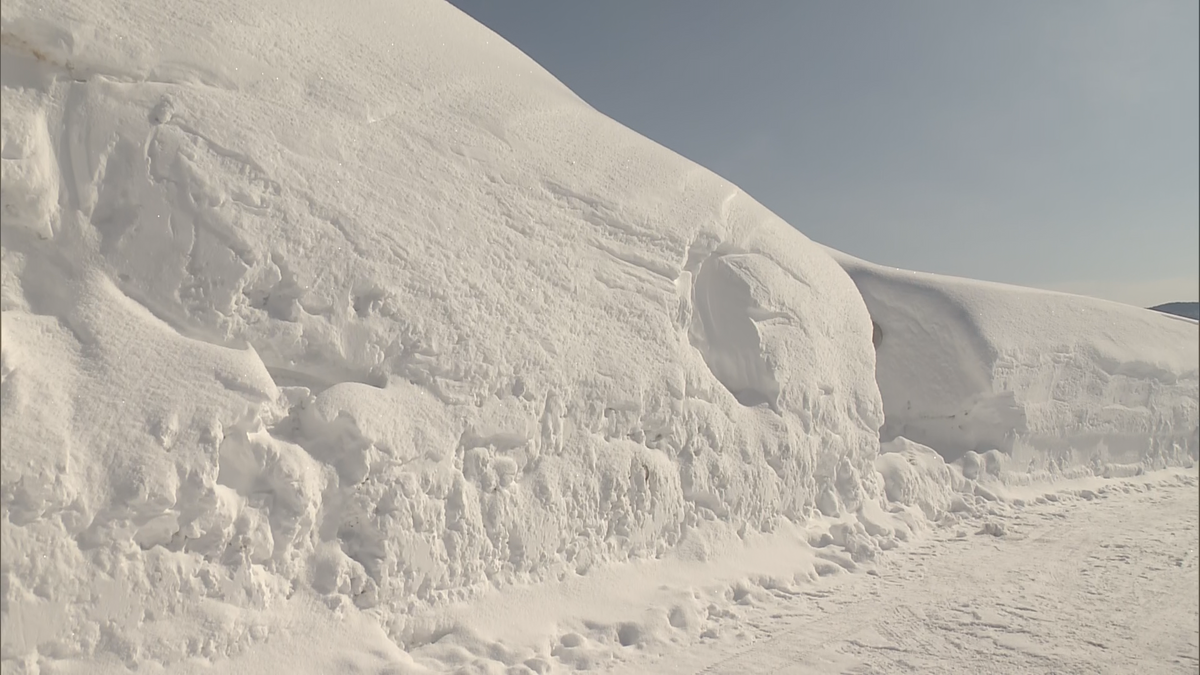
pixel 353 341
pixel 1098 576
pixel 1051 380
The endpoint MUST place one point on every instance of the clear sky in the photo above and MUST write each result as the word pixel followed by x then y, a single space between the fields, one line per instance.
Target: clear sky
pixel 1043 143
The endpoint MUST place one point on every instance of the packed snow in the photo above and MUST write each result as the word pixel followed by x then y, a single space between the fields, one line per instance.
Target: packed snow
pixel 353 341
pixel 1098 576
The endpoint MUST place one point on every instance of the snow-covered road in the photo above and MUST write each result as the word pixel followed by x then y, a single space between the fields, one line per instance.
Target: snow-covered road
pixel 1105 581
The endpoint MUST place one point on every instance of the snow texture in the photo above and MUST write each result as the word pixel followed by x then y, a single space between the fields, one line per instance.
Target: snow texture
pixel 1053 381
pixel 1099 577
pixel 333 334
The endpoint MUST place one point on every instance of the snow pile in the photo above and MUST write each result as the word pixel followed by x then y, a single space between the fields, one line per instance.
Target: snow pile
pixel 365 304
pixel 1053 381
pixel 915 475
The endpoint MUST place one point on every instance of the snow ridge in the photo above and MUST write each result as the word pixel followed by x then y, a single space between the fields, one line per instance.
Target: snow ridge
pixel 1054 381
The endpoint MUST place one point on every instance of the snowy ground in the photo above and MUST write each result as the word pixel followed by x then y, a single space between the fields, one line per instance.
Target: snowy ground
pixel 1105 583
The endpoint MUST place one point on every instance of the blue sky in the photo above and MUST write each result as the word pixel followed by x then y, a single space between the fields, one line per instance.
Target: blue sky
pixel 1051 144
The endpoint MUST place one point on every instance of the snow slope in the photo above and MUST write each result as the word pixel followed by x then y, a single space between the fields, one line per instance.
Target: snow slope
pixel 1051 380
pixel 364 305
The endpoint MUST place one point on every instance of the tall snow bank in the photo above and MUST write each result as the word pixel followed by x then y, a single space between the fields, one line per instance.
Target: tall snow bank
pixel 1051 380
pixel 362 302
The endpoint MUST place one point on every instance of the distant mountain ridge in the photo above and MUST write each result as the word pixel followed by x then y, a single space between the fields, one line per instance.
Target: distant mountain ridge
pixel 1190 310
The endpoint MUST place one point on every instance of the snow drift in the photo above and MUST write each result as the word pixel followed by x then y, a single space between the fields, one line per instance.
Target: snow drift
pixel 366 304
pixel 1051 380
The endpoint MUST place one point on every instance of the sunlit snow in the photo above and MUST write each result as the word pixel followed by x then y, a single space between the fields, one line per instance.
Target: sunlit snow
pixel 344 338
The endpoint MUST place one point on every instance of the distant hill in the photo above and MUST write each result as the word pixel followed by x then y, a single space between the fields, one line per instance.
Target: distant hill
pixel 1189 309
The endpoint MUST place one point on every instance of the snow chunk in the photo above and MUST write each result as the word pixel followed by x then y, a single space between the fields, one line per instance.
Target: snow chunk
pixel 28 170
pixel 915 475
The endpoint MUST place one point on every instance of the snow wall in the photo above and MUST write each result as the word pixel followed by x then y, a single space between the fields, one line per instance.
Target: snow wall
pixel 366 304
pixel 1053 381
